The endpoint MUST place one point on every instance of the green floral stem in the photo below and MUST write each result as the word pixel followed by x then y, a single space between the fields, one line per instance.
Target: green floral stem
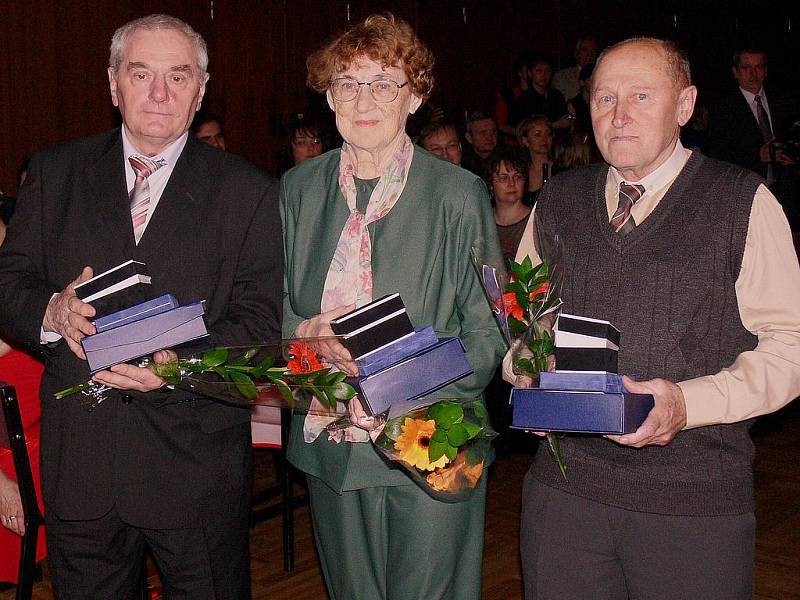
pixel 555 448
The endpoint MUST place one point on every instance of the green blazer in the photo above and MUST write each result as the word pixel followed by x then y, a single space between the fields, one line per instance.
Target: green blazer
pixel 420 249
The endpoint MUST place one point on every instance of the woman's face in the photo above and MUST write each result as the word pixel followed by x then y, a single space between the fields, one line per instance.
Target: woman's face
pixel 539 139
pixel 305 145
pixel 508 184
pixel 364 123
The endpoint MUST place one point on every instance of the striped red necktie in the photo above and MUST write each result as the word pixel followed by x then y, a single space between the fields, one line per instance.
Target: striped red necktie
pixel 140 194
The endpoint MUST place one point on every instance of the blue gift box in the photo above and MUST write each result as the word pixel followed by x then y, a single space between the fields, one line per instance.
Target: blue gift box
pixel 578 411
pixel 578 381
pixel 418 341
pixel 414 376
pixel 136 313
pixel 145 336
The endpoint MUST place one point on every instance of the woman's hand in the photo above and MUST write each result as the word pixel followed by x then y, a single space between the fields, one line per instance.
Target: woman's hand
pixel 12 516
pixel 331 349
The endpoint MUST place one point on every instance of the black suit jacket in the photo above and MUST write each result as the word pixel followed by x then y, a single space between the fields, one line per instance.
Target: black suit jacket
pixel 733 132
pixel 162 458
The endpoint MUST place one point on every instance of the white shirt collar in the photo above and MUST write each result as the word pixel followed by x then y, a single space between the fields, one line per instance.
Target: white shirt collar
pixel 169 154
pixel 663 175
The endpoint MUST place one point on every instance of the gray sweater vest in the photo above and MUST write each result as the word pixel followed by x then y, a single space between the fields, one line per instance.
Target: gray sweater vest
pixel 669 287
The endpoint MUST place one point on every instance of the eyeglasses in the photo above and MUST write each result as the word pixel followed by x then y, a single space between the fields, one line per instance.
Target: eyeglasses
pixel 302 142
pixel 506 178
pixel 345 89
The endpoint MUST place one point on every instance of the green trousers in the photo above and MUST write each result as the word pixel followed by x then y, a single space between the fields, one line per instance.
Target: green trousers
pixel 397 543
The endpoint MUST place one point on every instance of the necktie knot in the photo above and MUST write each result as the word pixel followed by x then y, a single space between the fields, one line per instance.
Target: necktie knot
pixel 145 166
pixel 622 222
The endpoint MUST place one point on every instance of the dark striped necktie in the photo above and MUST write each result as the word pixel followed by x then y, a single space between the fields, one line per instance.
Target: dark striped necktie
pixel 763 120
pixel 622 222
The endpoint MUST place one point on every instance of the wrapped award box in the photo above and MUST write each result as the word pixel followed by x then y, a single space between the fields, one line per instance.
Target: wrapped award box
pixel 396 363
pixel 585 394
pixel 140 332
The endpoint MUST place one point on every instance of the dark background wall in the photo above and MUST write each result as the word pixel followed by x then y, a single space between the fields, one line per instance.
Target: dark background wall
pixel 53 55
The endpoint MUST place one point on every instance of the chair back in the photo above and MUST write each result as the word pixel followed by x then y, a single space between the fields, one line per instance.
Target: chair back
pixel 12 437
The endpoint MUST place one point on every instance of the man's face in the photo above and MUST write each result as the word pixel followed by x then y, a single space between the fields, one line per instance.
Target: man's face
pixel 158 88
pixel 586 52
pixel 541 75
pixel 211 133
pixel 445 143
pixel 636 110
pixel 483 136
pixel 751 71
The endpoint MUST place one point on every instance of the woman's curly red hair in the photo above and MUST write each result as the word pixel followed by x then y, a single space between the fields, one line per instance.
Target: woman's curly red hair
pixel 388 41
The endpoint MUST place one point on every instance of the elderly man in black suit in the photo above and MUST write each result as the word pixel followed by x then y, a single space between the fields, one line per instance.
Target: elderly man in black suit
pixel 746 126
pixel 149 465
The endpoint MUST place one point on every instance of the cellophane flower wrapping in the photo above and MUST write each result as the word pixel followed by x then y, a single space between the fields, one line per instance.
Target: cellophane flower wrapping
pixel 445 447
pixel 285 374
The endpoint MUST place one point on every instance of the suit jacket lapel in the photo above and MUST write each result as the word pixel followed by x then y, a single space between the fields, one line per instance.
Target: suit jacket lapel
pixel 181 201
pixel 108 215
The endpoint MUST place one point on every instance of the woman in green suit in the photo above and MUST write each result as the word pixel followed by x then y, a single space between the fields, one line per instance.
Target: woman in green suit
pixel 375 217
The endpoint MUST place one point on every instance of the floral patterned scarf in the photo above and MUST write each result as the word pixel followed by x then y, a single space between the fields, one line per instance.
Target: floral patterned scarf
pixel 349 278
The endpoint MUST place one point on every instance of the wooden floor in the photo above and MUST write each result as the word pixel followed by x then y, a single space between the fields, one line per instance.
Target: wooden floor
pixel 778 512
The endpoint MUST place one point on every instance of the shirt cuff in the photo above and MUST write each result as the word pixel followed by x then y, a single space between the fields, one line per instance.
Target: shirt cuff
pixel 704 403
pixel 48 337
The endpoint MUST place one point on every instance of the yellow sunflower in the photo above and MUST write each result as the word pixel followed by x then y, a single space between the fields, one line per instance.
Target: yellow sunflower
pixel 414 442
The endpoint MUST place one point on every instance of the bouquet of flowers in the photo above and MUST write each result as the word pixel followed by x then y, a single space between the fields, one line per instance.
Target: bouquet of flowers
pixel 526 312
pixel 443 446
pixel 244 376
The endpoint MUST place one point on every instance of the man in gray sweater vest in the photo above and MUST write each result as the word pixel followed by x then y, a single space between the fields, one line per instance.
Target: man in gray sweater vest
pixel 692 259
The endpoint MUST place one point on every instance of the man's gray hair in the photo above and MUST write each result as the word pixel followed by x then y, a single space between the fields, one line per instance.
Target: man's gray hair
pixel 152 23
pixel 678 68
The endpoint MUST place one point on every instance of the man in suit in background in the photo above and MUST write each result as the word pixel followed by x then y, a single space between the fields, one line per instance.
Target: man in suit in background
pixel 747 125
pixel 149 465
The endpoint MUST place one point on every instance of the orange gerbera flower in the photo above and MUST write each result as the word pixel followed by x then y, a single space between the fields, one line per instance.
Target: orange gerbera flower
pixel 304 359
pixel 413 444
pixel 512 306
pixel 542 289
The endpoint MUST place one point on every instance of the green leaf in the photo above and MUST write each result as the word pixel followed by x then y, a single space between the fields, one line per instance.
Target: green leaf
pixel 436 450
pixel 525 365
pixel 517 287
pixel 215 357
pixel 555 448
pixel 518 270
pixel 516 326
pixel 439 435
pixel 451 451
pixel 244 358
pixel 446 413
pixel 222 372
pixel 285 391
pixel 526 264
pixel 244 384
pixel 472 429
pixel 262 367
pixel 342 391
pixel 480 411
pixel 457 435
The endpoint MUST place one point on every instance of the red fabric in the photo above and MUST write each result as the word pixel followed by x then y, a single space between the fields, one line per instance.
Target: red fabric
pixel 24 373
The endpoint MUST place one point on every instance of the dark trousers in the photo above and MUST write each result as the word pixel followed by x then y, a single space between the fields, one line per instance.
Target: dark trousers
pixel 103 558
pixel 579 549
